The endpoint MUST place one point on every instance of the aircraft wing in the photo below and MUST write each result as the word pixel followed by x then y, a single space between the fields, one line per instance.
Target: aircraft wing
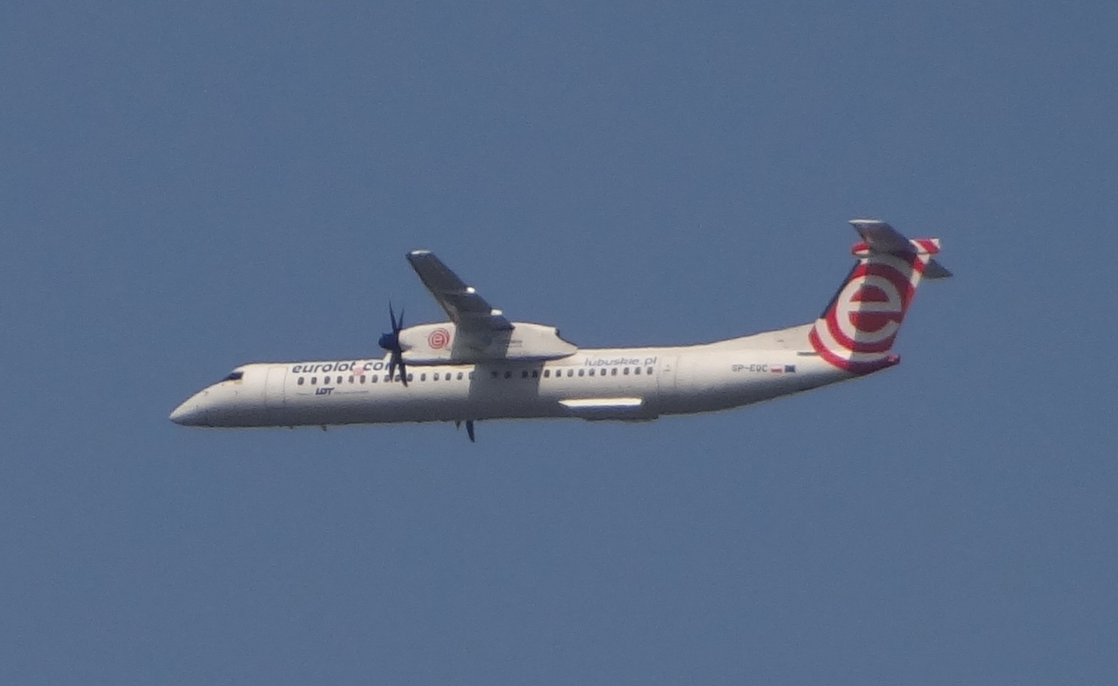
pixel 468 310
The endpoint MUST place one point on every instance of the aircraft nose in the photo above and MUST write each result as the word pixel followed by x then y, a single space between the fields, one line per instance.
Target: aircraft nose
pixel 189 413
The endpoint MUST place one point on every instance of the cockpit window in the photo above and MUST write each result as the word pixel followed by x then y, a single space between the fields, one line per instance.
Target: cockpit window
pixel 234 376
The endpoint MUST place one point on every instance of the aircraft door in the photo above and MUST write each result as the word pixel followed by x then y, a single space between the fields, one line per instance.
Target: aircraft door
pixel 273 388
pixel 665 380
pixel 676 381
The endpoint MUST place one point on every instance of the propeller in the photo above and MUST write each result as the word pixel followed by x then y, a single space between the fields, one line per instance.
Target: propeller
pixel 391 343
pixel 469 428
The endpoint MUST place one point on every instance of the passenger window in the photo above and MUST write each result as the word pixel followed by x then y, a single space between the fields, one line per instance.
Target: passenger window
pixel 373 378
pixel 547 373
pixel 581 372
pixel 423 376
pixel 626 371
pixel 362 378
pixel 648 371
pixel 535 373
pixel 493 374
pixel 351 379
pixel 460 376
pixel 339 380
pixel 410 377
pixel 508 374
pixel 435 376
pixel 300 381
pixel 524 374
pixel 471 376
pixel 613 372
pixel 314 380
pixel 570 372
pixel 637 370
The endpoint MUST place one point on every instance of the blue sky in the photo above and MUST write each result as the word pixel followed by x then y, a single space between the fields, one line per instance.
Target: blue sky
pixel 184 188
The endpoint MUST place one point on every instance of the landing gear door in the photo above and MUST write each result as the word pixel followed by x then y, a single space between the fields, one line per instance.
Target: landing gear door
pixel 273 389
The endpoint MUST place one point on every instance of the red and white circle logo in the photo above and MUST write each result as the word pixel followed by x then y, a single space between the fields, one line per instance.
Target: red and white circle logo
pixel 858 329
pixel 438 339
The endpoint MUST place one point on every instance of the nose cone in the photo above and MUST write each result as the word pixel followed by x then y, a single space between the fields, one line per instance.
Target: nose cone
pixel 190 413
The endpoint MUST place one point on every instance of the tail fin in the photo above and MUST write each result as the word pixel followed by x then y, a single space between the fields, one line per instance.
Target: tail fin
pixel 856 331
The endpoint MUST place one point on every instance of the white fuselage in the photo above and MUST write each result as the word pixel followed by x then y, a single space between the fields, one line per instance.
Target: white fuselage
pixel 633 384
pixel 481 365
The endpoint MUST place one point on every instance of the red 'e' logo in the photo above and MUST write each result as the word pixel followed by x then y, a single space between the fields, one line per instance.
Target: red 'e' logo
pixel 438 339
pixel 857 332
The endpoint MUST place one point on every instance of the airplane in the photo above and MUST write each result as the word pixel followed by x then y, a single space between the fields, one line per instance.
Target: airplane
pixel 479 365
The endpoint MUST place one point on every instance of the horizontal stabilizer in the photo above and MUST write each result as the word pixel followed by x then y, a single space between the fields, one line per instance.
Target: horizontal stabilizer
pixel 880 237
pixel 935 270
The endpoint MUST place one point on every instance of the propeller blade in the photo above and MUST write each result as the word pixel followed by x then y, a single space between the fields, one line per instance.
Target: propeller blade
pixel 391 343
pixel 470 430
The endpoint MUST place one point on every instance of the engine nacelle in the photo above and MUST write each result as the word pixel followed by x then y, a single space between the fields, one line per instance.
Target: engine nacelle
pixel 442 343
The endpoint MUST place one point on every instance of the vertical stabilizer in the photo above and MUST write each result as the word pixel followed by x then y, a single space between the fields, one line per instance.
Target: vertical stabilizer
pixel 857 330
